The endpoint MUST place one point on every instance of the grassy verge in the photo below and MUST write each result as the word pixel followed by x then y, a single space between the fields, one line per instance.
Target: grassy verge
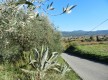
pixel 99 49
pixel 71 75
pixel 97 52
pixel 9 72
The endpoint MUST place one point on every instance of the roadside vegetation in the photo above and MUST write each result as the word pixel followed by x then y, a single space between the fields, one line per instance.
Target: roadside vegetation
pixel 30 45
pixel 98 50
pixel 59 71
pixel 93 51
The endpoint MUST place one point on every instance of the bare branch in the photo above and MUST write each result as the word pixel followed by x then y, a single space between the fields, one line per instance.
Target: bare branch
pixel 52 14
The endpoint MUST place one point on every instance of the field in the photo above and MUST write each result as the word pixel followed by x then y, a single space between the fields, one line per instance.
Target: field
pixel 98 49
pixel 97 52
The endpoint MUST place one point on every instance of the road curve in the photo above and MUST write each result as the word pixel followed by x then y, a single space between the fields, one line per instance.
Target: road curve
pixel 86 69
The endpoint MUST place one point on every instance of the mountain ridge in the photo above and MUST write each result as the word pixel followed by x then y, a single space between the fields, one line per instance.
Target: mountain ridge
pixel 83 33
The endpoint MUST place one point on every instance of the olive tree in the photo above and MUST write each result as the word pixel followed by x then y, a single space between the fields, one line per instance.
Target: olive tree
pixel 22 27
pixel 21 32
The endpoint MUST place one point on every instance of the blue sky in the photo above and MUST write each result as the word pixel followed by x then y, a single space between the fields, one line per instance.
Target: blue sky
pixel 87 15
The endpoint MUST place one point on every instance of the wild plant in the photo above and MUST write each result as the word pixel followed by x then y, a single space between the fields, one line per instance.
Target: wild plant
pixel 42 62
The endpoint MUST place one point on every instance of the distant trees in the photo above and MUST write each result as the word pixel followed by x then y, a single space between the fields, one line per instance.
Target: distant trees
pixel 97 38
pixel 86 38
pixel 93 38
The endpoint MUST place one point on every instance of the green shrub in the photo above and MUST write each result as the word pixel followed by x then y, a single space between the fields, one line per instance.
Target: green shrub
pixel 20 31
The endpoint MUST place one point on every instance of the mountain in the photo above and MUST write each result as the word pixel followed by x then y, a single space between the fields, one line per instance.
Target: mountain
pixel 83 33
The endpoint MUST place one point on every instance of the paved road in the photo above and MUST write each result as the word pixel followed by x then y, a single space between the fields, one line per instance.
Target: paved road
pixel 86 69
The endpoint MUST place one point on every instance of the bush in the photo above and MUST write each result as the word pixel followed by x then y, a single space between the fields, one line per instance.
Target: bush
pixel 20 31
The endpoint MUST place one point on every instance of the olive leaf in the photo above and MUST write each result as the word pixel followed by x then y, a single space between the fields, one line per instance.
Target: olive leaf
pixel 68 8
pixel 50 7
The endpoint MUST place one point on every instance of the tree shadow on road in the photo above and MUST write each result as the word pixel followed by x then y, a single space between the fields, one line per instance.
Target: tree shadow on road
pixel 92 57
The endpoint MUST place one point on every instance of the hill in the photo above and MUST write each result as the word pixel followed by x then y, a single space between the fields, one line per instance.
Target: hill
pixel 83 33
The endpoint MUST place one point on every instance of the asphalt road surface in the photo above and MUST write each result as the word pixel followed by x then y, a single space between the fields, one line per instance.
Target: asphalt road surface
pixel 87 70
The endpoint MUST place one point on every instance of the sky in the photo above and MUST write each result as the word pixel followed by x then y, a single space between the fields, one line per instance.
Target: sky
pixel 85 16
